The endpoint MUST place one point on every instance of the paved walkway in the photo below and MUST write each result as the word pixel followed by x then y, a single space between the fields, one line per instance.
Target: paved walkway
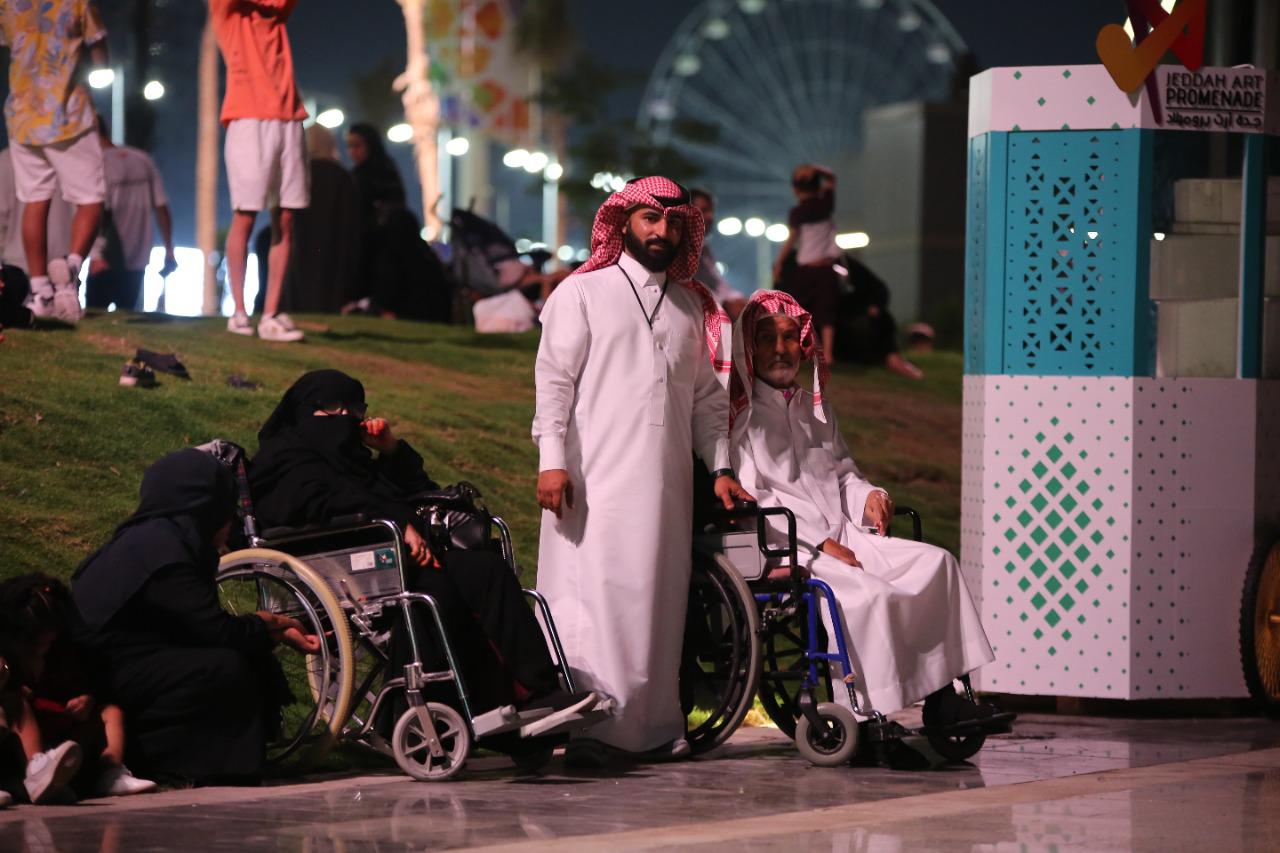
pixel 1057 783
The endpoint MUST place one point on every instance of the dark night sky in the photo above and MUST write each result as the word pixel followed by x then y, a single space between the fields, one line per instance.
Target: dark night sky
pixel 336 40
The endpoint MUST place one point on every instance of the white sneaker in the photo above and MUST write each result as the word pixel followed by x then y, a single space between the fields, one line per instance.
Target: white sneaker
pixel 238 324
pixel 278 328
pixel 119 782
pixel 49 771
pixel 66 304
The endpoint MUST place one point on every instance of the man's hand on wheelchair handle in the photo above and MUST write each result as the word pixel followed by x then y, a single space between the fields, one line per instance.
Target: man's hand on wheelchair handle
pixel 555 490
pixel 878 512
pixel 729 489
pixel 832 548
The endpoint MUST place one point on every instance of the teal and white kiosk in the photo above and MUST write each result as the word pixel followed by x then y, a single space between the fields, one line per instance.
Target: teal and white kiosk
pixel 1121 482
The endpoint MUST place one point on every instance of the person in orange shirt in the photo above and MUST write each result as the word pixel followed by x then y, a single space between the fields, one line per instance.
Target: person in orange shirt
pixel 265 150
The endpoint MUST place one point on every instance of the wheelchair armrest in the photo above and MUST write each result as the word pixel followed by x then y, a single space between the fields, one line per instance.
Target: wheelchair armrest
pixel 284 531
pixel 917 532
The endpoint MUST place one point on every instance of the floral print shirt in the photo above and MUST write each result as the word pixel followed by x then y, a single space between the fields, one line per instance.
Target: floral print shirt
pixel 45 38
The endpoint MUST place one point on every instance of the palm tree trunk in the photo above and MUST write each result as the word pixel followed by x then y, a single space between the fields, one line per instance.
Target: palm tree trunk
pixel 207 165
pixel 421 111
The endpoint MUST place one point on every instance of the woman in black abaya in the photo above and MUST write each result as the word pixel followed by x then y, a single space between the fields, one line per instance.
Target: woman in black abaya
pixel 314 463
pixel 199 687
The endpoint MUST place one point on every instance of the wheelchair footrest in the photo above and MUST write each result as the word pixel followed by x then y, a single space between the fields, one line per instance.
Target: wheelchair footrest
pixel 571 721
pixel 505 719
pixel 1000 723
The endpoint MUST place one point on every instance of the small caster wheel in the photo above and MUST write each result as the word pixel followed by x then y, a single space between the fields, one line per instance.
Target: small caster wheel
pixel 423 757
pixel 957 748
pixel 832 745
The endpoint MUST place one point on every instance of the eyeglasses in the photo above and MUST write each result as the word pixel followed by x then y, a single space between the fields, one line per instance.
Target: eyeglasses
pixel 359 410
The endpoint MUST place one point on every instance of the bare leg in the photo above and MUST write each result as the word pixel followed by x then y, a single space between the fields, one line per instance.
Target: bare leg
pixel 35 237
pixel 829 343
pixel 113 725
pixel 238 254
pixel 895 363
pixel 29 731
pixel 278 257
pixel 84 228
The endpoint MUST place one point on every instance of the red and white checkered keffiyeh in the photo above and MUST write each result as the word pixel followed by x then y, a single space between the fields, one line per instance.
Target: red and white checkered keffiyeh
pixel 765 303
pixel 606 246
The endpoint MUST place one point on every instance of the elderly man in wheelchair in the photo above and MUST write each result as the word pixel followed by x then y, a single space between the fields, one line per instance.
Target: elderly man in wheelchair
pixel 899 622
pixel 446 648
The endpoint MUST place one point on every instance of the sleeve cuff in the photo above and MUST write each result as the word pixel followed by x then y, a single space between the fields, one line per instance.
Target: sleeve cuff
pixel 550 453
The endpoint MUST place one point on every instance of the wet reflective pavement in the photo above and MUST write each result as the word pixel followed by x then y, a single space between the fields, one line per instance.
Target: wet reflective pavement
pixel 1057 783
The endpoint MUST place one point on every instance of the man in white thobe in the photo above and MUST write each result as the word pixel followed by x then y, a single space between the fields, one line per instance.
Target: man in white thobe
pixel 909 623
pixel 627 391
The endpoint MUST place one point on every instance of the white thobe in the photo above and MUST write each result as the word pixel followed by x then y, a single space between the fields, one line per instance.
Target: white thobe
pixel 622 407
pixel 909 622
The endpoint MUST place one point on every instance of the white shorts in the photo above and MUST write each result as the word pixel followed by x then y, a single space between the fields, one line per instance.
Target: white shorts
pixel 267 164
pixel 74 165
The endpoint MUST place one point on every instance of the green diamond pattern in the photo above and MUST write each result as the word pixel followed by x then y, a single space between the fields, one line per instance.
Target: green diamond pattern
pixel 1066 72
pixel 1054 492
pixel 1091 100
pixel 1017 75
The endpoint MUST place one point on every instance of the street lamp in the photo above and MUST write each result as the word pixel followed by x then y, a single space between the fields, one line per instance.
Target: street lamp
pixel 400 132
pixel 515 158
pixel 101 78
pixel 457 146
pixel 153 91
pixel 776 233
pixel 331 118
pixel 853 240
pixel 553 172
pixel 754 226
pixel 536 162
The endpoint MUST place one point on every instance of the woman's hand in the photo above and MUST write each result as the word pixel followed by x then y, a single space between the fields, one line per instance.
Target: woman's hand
pixel 378 435
pixel 308 644
pixel 418 548
pixel 283 629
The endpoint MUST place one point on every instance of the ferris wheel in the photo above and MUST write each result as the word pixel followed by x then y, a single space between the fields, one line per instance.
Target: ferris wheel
pixel 786 82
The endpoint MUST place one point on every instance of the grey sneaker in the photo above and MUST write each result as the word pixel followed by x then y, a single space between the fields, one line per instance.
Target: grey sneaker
pixel 59 271
pixel 66 304
pixel 238 324
pixel 49 771
pixel 278 327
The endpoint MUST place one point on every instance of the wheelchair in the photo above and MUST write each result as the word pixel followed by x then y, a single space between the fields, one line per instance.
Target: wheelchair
pixel 346 583
pixel 749 633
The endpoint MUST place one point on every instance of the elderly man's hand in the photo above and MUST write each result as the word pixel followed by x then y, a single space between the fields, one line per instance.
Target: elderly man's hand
pixel 308 644
pixel 728 490
pixel 832 548
pixel 555 490
pixel 878 512
pixel 418 549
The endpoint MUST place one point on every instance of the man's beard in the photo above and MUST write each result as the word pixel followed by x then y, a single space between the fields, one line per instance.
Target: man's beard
pixel 778 375
pixel 654 262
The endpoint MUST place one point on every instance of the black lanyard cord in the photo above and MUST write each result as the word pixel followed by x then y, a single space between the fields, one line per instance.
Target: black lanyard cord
pixel 648 318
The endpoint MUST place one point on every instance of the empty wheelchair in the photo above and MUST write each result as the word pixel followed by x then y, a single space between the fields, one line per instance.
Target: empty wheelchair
pixel 754 628
pixel 346 583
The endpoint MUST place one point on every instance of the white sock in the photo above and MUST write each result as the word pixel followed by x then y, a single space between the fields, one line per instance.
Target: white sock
pixel 75 262
pixel 40 285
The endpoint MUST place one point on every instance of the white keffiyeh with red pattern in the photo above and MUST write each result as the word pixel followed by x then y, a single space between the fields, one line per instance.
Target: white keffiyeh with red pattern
pixel 672 199
pixel 765 303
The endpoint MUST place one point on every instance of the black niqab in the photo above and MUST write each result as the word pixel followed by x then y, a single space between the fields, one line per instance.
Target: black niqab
pixel 185 498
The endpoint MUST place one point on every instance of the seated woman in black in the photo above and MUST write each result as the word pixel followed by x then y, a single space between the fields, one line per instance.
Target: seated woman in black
pixel 314 463
pixel 199 687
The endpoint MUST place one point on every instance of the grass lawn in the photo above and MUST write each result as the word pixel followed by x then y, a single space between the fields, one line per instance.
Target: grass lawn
pixel 73 443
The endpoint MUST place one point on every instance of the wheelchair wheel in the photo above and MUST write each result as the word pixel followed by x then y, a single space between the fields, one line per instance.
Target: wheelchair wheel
pixel 832 745
pixel 784 667
pixel 721 661
pixel 957 748
pixel 1260 625
pixel 320 685
pixel 414 750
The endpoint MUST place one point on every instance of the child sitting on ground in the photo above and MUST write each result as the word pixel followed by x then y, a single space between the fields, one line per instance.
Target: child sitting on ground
pixel 54 713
